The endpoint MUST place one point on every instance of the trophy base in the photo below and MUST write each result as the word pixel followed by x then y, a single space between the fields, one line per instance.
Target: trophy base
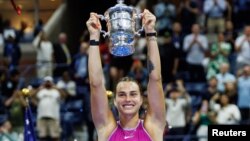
pixel 123 50
pixel 122 44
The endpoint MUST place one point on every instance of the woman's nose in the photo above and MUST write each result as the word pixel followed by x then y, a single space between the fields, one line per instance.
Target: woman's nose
pixel 128 98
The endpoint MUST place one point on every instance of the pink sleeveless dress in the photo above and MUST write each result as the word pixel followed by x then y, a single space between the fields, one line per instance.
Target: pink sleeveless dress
pixel 135 134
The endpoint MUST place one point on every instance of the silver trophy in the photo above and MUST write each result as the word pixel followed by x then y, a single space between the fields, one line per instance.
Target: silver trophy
pixel 121 25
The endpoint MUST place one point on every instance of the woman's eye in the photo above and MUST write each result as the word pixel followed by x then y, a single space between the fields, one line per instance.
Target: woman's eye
pixel 133 94
pixel 121 94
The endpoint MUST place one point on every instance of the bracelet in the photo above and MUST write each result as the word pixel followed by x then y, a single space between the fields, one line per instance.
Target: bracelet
pixel 151 38
pixel 151 34
pixel 94 43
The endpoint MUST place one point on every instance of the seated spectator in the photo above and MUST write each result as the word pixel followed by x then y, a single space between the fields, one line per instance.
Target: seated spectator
pixel 212 88
pixel 201 119
pixel 177 107
pixel 67 85
pixel 242 48
pixel 243 84
pixel 224 76
pixel 226 112
pixel 231 91
pixel 219 52
pixel 6 132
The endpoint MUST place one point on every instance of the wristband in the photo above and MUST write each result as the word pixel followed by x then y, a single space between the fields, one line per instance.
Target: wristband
pixel 94 43
pixel 151 34
pixel 151 38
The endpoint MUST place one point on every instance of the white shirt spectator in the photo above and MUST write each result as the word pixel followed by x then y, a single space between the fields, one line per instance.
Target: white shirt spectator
pixel 244 53
pixel 175 114
pixel 196 54
pixel 45 51
pixel 229 114
pixel 215 10
pixel 69 87
pixel 48 103
pixel 223 78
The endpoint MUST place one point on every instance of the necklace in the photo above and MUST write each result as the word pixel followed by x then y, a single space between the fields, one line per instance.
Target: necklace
pixel 129 133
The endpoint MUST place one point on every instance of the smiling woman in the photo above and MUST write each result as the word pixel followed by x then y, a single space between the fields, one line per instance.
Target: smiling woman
pixel 128 97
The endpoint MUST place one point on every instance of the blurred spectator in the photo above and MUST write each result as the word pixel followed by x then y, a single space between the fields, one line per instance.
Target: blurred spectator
pixel 62 55
pixel 224 76
pixel 212 88
pixel 176 105
pixel 214 10
pixel 177 40
pixel 230 36
pixel 79 65
pixel 67 85
pixel 230 33
pixel 6 132
pixel 187 14
pixel 195 45
pixel 10 84
pixel 47 98
pixel 231 91
pixel 228 14
pixel 241 13
pixel 44 58
pixel 218 54
pixel 38 28
pixel 201 119
pixel 11 104
pixel 169 55
pixel 165 12
pixel 226 112
pixel 177 36
pixel 244 95
pixel 12 52
pixel 242 48
pixel 79 70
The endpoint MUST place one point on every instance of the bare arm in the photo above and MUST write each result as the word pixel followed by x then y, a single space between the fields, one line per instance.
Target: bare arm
pixel 102 116
pixel 156 111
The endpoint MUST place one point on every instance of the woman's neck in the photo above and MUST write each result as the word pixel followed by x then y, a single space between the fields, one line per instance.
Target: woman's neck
pixel 129 122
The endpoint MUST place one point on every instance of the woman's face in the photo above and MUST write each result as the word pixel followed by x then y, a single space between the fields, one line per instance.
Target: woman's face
pixel 128 99
pixel 224 99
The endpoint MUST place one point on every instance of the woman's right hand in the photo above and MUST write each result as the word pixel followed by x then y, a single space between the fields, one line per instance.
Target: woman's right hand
pixel 94 26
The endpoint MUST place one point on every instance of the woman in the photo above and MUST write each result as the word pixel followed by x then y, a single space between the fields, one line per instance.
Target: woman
pixel 128 98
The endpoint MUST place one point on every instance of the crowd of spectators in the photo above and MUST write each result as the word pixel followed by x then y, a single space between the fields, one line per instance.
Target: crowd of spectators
pixel 205 58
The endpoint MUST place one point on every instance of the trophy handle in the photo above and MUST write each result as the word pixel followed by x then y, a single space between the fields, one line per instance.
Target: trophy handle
pixel 138 32
pixel 103 18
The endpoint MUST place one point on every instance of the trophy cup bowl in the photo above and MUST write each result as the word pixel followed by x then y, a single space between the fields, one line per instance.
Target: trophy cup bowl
pixel 121 21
